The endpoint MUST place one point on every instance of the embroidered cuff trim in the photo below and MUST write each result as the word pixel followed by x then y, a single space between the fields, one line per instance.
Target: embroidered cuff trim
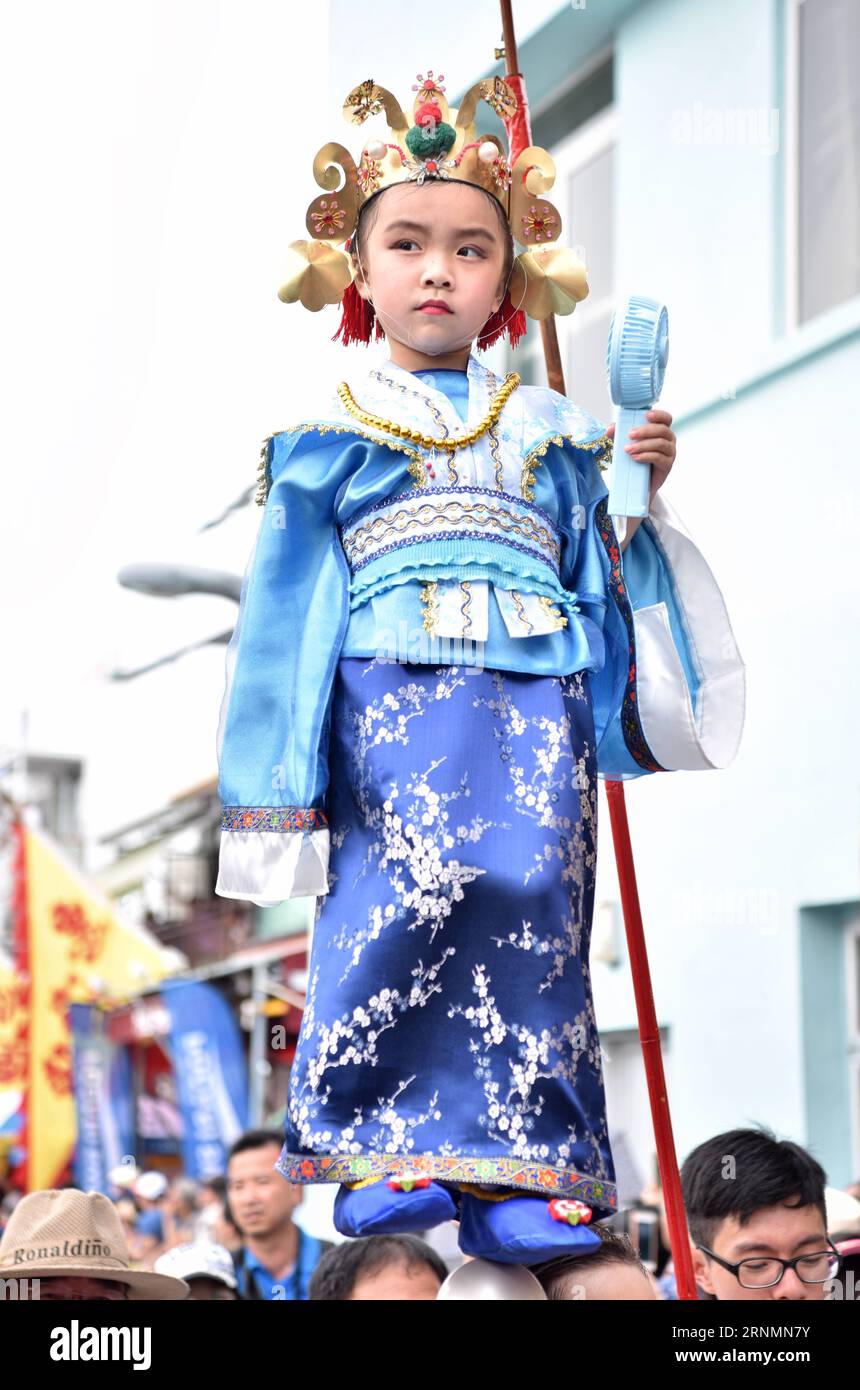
pixel 631 725
pixel 287 819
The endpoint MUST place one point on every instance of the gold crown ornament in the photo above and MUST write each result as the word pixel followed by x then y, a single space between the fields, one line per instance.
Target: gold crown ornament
pixel 436 144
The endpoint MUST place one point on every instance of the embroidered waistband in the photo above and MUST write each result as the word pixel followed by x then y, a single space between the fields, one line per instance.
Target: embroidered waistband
pixel 451 513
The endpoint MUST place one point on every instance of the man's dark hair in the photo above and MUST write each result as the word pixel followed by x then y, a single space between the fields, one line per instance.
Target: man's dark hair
pixel 340 1268
pixel 255 1139
pixel 369 211
pixel 558 1275
pixel 765 1171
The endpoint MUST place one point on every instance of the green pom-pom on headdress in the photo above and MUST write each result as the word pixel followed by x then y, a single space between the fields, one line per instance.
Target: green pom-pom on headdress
pixel 430 137
pixel 422 145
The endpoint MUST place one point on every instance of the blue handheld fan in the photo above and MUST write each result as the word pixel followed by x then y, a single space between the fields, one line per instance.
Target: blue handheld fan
pixel 636 357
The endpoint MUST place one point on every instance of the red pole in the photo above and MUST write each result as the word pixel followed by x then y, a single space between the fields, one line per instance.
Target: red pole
pixel 520 137
pixel 649 1036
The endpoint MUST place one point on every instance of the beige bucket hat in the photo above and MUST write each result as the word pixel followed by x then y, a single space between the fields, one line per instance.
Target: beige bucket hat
pixel 68 1233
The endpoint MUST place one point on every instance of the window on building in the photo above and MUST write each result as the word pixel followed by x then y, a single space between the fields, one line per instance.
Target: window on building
pixel 827 161
pixel 580 132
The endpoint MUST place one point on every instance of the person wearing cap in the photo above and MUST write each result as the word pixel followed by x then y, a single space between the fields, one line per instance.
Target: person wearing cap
pixel 123 1177
pixel 207 1269
pixel 149 1191
pixel 72 1242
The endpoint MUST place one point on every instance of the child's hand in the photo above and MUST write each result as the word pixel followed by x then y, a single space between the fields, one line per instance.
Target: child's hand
pixel 654 443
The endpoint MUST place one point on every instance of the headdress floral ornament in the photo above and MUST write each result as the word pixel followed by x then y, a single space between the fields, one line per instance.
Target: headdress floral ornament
pixel 436 144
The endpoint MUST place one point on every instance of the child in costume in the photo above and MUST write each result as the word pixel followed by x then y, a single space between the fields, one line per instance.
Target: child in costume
pixel 438 651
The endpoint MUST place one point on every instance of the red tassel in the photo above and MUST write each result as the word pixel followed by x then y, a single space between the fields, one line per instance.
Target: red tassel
pixel 357 319
pixel 504 320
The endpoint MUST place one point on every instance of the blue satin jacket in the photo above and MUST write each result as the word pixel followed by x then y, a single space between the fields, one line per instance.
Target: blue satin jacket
pixel 501 554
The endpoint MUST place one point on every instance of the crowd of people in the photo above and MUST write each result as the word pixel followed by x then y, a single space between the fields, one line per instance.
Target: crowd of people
pixel 763 1224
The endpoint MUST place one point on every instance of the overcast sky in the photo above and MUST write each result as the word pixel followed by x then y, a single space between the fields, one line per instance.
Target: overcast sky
pixel 157 161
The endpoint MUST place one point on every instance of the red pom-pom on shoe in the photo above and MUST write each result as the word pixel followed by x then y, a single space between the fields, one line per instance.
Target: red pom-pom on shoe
pixel 570 1210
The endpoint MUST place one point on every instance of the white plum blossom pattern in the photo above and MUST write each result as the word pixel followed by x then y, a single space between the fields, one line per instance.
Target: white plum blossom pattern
pixel 536 793
pixel 449 1027
pixel 551 1053
pixel 409 838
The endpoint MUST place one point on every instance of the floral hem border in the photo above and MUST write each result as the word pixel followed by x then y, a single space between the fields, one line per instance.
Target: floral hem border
pixel 530 1177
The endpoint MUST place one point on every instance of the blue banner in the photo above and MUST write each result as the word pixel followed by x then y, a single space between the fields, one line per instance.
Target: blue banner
pixel 103 1101
pixel 211 1074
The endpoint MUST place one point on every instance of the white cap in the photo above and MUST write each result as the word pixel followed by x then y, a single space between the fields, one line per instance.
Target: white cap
pixel 124 1175
pixel 201 1259
pixel 150 1186
pixel 843 1210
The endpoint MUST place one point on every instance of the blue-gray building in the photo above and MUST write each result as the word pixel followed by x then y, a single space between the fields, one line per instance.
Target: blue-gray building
pixel 707 156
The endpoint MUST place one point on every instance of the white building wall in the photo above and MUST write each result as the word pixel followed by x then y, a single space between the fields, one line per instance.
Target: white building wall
pixel 726 859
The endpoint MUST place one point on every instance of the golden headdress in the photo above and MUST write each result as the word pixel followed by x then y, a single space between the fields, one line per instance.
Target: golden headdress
pixel 436 144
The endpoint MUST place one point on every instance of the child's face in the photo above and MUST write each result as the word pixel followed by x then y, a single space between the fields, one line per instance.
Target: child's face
pixel 440 241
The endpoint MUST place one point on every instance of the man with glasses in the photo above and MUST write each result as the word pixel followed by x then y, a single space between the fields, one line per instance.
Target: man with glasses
pixel 757 1218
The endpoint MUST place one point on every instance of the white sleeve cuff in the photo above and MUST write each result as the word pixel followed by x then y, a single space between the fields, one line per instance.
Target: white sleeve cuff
pixel 680 736
pixel 268 866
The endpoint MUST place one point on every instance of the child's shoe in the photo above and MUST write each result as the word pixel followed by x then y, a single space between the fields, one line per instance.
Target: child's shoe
pixel 522 1228
pixel 388 1206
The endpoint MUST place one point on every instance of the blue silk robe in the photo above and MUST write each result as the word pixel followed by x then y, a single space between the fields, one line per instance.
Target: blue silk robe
pixel 434 660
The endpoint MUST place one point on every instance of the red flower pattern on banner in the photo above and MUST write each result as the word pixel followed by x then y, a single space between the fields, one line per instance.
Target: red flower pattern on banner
pixel 87 937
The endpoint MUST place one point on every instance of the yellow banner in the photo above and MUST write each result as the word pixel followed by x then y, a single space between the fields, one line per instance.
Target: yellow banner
pixel 79 952
pixel 13 1051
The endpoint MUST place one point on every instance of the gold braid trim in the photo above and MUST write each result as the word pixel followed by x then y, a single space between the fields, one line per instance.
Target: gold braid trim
pixel 600 447
pixel 551 611
pixel 429 441
pixel 431 606
pixel 416 467
pixel 418 471
pixel 264 473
